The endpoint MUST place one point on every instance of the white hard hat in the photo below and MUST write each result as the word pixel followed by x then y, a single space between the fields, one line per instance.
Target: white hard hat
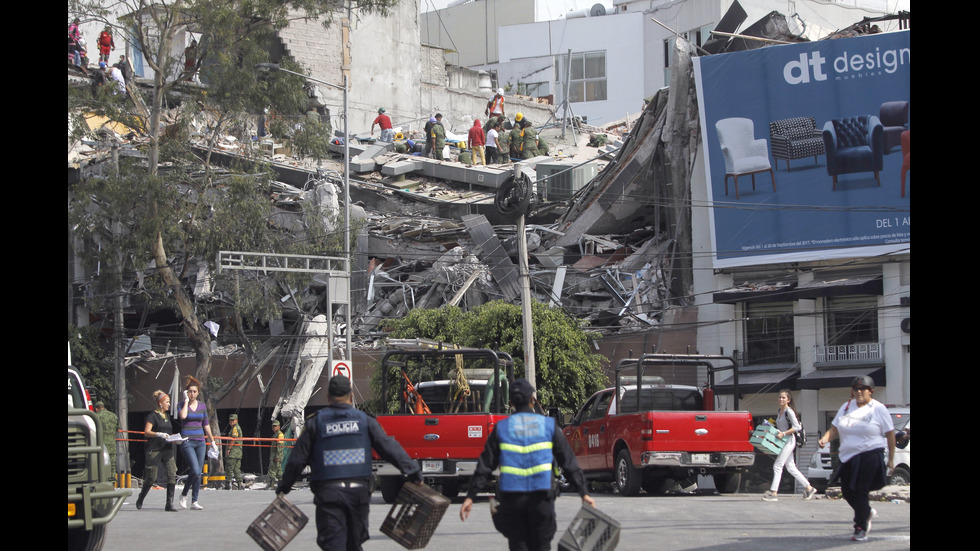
pixel 500 91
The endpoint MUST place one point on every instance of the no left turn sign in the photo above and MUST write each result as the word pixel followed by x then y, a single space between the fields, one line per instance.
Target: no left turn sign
pixel 341 367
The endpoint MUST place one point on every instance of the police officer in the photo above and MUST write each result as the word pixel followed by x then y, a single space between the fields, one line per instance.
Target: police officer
pixel 233 455
pixel 525 446
pixel 337 444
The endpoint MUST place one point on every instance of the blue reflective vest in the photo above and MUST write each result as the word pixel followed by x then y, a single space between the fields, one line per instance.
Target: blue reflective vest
pixel 525 452
pixel 342 447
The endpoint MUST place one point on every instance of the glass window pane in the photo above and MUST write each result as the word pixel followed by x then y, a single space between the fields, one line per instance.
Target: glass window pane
pixel 576 92
pixel 595 90
pixel 595 65
pixel 577 67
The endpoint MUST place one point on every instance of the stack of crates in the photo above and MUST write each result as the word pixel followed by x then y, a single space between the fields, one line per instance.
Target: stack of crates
pixel 415 515
pixel 764 438
pixel 277 525
pixel 590 530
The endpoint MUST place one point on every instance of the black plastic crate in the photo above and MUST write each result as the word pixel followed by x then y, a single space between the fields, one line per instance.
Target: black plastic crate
pixel 277 525
pixel 414 516
pixel 590 530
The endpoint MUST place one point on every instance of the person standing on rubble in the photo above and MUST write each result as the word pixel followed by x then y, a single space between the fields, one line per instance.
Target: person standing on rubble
pixel 530 140
pixel 106 44
pixel 476 141
pixel 336 444
pixel 384 122
pixel 495 107
pixel 492 143
pixel 438 135
pixel 527 447
pixel 517 138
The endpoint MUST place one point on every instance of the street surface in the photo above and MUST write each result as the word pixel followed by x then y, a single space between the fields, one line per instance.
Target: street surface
pixel 741 522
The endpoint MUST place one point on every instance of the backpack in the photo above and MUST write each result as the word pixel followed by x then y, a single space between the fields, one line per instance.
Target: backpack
pixel 800 434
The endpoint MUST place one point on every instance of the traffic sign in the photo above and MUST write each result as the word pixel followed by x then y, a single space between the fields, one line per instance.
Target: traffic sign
pixel 341 367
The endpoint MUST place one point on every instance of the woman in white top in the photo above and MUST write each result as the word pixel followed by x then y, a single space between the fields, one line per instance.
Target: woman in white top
pixel 788 425
pixel 865 428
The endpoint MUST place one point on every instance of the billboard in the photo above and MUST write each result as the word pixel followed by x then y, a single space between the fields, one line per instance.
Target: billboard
pixel 806 149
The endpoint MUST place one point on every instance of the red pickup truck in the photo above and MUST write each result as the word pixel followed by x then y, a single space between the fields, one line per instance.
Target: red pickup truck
pixel 643 436
pixel 444 419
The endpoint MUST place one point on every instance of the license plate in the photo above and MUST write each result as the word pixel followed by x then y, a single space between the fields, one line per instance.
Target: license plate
pixel 431 466
pixel 700 458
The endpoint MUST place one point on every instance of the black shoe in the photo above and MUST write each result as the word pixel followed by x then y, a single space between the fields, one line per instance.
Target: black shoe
pixel 170 498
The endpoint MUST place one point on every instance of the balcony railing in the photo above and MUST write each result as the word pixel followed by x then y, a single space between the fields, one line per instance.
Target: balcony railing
pixel 850 352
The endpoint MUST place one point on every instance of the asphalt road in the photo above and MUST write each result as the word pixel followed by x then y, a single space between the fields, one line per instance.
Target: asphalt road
pixel 740 522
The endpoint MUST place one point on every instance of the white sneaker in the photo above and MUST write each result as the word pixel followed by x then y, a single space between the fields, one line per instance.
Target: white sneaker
pixel 183 502
pixel 196 506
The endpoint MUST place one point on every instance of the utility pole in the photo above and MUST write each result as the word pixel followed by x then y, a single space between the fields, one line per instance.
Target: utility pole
pixel 525 277
pixel 122 474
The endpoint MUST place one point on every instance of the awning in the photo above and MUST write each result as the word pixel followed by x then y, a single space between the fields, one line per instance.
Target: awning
pixel 859 284
pixel 772 379
pixel 839 378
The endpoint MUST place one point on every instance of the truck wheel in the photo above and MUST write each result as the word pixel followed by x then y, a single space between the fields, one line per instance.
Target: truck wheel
pixel 86 540
pixel 727 483
pixel 450 488
pixel 390 486
pixel 900 477
pixel 655 486
pixel 627 476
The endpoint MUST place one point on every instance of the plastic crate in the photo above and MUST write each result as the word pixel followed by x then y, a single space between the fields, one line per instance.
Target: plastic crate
pixel 764 439
pixel 590 530
pixel 277 525
pixel 415 515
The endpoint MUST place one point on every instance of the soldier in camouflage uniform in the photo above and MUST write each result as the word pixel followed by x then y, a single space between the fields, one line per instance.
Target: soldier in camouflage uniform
pixel 233 454
pixel 275 459
pixel 438 137
pixel 503 145
pixel 110 424
pixel 517 142
pixel 530 140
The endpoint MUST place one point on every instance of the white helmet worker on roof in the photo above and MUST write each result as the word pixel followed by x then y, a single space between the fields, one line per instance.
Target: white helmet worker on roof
pixel 495 107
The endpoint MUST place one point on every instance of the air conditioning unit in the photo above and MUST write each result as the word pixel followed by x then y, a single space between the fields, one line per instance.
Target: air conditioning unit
pixel 563 180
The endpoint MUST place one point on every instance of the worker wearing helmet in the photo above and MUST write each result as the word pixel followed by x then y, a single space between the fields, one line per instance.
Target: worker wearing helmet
pixel 383 122
pixel 495 107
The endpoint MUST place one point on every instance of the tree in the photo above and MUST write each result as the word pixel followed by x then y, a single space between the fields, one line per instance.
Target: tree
pixel 567 371
pixel 154 206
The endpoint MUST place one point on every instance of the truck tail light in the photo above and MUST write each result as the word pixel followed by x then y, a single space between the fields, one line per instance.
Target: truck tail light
pixel 646 431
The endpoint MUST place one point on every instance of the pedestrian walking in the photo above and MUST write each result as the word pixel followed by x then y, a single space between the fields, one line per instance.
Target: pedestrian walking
pixel 865 428
pixel 158 451
pixel 526 447
pixel 196 429
pixel 788 426
pixel 337 444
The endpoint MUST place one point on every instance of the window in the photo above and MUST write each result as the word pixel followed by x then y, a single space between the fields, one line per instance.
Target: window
pixel 769 333
pixel 852 320
pixel 588 76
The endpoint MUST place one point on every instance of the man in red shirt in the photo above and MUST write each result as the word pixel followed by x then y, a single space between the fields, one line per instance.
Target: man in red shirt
pixel 476 141
pixel 106 44
pixel 383 121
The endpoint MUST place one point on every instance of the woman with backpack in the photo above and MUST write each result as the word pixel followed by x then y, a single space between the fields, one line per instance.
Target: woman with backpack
pixel 787 424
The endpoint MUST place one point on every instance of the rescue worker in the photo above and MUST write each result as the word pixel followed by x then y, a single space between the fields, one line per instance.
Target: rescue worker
pixel 275 458
pixel 503 145
pixel 517 138
pixel 526 446
pixel 337 444
pixel 495 107
pixel 233 454
pixel 530 140
pixel 384 123
pixel 110 425
pixel 438 138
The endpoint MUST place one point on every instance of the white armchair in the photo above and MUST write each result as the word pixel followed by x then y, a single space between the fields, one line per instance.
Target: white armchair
pixel 744 155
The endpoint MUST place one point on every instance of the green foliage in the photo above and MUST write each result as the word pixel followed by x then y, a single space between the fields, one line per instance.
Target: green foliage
pixel 93 360
pixel 567 371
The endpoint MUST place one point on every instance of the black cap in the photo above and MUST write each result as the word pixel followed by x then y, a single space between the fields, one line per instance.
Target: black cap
pixel 863 380
pixel 339 386
pixel 521 391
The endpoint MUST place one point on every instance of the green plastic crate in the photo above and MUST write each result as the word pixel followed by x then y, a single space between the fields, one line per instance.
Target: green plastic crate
pixel 764 438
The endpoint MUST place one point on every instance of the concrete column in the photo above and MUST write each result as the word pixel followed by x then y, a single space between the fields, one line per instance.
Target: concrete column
pixel 895 285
